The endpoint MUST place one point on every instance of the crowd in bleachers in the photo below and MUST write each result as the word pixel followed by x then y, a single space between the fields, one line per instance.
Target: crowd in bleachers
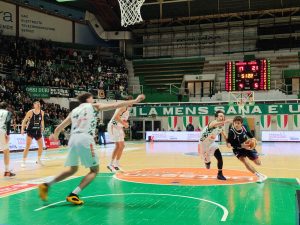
pixel 41 63
pixel 19 103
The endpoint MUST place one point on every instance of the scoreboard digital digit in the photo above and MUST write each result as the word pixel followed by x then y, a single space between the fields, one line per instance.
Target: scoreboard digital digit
pixel 248 75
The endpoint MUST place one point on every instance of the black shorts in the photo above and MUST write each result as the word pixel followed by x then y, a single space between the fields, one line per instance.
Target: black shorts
pixel 241 152
pixel 34 134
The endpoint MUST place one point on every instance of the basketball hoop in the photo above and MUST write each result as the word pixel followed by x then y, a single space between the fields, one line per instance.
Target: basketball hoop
pixel 241 98
pixel 130 12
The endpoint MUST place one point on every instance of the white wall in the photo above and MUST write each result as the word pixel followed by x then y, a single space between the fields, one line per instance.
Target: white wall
pixel 7 18
pixel 37 25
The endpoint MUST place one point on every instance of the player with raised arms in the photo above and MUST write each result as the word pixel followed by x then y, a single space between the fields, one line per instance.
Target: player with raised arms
pixel 82 144
pixel 208 146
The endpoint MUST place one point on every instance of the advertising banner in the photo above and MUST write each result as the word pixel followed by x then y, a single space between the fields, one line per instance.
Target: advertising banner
pixel 174 136
pixel 37 25
pixel 196 110
pixel 51 143
pixel 285 136
pixel 7 18
pixel 18 142
pixel 38 92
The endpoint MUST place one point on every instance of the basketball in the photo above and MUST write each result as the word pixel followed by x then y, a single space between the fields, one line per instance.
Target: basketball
pixel 252 143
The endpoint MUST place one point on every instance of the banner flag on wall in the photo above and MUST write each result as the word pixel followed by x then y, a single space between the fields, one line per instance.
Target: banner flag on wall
pixel 187 120
pixel 172 121
pixel 265 121
pixel 203 121
pixel 297 121
pixel 282 121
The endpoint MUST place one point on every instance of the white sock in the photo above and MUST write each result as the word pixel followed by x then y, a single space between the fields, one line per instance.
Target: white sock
pixel 112 162
pixel 6 168
pixel 257 174
pixel 117 163
pixel 76 191
pixel 24 161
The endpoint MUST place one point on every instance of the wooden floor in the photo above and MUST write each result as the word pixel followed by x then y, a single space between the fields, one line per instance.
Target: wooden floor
pixel 280 160
pixel 164 183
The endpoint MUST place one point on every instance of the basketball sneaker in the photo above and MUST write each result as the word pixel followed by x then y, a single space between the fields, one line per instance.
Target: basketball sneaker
pixel 9 174
pixel 39 162
pixel 261 178
pixel 73 198
pixel 43 191
pixel 221 176
pixel 118 169
pixel 111 168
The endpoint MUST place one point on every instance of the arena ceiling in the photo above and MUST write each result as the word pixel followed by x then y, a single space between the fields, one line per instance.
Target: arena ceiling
pixel 160 11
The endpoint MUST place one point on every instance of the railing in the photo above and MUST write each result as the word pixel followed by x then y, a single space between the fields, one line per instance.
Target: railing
pixel 173 89
pixel 275 85
pixel 219 102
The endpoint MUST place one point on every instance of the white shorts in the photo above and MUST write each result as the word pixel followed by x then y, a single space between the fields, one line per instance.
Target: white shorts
pixel 207 149
pixel 116 133
pixel 82 146
pixel 3 143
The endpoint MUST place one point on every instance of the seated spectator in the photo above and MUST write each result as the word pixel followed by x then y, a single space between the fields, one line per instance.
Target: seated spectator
pixel 190 127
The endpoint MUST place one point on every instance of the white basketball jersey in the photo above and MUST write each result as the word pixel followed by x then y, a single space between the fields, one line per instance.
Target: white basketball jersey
pixel 124 117
pixel 84 119
pixel 3 116
pixel 207 132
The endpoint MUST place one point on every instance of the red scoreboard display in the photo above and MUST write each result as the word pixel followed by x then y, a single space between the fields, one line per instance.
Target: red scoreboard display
pixel 247 75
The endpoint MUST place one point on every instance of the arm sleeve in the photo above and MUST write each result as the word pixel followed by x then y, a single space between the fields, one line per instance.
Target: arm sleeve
pixel 8 122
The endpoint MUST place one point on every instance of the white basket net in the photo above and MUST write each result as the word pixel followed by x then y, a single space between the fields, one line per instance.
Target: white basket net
pixel 241 98
pixel 130 11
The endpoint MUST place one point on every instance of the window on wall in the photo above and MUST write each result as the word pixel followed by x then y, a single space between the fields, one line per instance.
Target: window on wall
pixel 296 85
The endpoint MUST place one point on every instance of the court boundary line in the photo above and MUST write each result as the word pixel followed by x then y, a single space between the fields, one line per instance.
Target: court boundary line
pixel 32 188
pixel 266 167
pixel 175 184
pixel 223 218
pixel 35 187
pixel 115 177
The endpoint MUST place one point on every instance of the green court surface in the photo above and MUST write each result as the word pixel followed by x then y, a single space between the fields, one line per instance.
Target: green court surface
pixel 112 202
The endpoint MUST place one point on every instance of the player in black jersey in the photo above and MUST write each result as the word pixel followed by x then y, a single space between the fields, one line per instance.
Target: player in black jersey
pixel 237 136
pixel 34 124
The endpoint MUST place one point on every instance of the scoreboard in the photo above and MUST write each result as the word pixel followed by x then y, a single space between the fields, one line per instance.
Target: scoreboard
pixel 248 75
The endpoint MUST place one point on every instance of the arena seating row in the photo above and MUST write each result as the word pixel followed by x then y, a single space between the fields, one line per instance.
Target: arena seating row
pixel 158 73
pixel 45 63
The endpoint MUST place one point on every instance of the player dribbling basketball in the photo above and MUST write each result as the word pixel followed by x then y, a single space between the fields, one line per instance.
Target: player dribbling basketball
pixel 238 137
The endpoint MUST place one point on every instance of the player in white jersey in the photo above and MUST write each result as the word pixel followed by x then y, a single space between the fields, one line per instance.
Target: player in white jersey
pixel 207 145
pixel 81 144
pixel 115 129
pixel 5 120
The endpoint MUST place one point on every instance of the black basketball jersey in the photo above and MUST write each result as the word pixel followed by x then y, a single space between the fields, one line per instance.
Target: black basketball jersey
pixel 237 137
pixel 35 122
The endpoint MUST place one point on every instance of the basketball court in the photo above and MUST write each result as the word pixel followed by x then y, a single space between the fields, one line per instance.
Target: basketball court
pixel 194 64
pixel 164 183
